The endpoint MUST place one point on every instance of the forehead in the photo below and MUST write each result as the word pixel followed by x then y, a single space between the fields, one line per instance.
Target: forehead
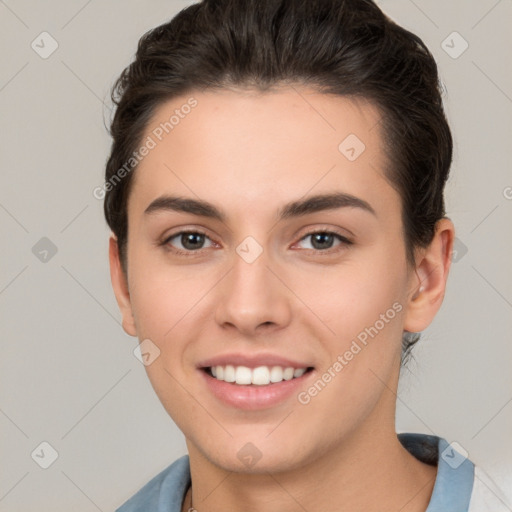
pixel 243 145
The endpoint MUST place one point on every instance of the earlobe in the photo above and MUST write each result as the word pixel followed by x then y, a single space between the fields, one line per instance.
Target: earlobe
pixel 120 287
pixel 428 283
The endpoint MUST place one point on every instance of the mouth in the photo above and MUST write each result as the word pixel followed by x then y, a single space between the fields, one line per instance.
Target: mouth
pixel 249 384
pixel 259 376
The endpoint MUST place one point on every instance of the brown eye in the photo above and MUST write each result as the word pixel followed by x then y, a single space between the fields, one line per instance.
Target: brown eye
pixel 192 241
pixel 188 241
pixel 324 240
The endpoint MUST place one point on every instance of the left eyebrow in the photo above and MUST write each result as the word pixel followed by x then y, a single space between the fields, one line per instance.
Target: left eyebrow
pixel 298 208
pixel 324 202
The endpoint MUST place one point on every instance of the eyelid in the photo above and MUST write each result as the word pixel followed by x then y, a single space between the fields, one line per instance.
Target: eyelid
pixel 312 229
pixel 179 230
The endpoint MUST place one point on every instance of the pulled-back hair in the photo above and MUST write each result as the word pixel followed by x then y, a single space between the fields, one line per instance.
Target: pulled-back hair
pixel 342 47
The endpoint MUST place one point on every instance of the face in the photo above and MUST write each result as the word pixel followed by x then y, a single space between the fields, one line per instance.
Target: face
pixel 263 235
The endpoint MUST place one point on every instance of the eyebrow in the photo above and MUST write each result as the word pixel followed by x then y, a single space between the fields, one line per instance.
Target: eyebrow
pixel 298 208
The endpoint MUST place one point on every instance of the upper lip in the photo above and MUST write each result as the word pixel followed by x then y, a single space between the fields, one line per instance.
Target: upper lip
pixel 252 361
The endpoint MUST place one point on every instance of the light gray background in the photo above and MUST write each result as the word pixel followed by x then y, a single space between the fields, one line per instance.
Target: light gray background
pixel 68 373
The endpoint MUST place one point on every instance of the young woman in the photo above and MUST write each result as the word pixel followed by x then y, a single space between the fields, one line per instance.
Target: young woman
pixel 275 192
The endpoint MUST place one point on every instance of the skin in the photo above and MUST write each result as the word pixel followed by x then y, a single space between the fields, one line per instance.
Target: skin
pixel 248 154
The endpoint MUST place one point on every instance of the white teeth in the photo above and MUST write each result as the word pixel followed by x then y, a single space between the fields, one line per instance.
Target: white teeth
pixel 276 374
pixel 288 374
pixel 299 372
pixel 229 373
pixel 243 375
pixel 260 376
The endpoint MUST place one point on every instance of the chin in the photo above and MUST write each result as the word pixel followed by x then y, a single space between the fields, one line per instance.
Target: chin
pixel 258 453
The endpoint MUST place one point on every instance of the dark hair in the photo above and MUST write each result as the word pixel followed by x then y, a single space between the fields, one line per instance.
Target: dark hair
pixel 341 47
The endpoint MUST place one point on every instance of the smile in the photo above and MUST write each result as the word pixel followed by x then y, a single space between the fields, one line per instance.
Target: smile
pixel 259 376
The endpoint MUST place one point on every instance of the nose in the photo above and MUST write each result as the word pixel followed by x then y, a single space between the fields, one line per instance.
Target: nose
pixel 252 298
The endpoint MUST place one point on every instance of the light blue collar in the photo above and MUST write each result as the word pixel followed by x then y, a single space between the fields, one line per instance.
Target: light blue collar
pixel 455 473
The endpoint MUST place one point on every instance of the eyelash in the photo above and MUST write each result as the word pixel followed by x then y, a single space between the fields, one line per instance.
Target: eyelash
pixel 191 253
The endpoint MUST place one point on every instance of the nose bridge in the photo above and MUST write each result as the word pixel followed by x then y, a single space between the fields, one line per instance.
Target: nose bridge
pixel 251 293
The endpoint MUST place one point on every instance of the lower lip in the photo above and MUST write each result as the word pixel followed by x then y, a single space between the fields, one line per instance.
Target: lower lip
pixel 252 397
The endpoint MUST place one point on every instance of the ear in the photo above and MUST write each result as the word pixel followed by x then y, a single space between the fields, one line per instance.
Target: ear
pixel 428 283
pixel 120 286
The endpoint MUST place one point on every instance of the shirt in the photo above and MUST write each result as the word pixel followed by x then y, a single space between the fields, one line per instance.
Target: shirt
pixel 460 486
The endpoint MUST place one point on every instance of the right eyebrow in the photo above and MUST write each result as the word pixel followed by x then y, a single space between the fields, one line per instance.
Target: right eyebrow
pixel 180 204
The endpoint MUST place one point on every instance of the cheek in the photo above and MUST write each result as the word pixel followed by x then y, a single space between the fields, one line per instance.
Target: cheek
pixel 362 307
pixel 159 308
pixel 348 298
pixel 161 296
pixel 169 306
pixel 166 312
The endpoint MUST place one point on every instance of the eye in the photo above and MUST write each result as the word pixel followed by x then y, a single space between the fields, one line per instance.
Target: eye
pixel 324 240
pixel 188 241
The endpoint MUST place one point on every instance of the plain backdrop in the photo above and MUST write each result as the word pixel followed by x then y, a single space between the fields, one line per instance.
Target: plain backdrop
pixel 69 378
